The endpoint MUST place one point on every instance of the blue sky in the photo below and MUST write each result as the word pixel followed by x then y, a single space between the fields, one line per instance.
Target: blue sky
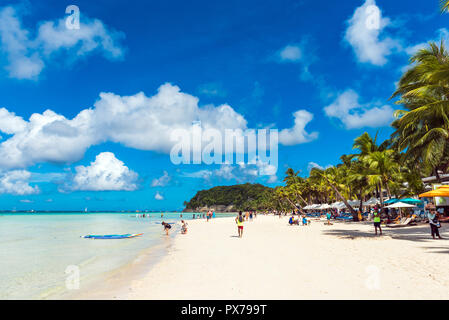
pixel 86 113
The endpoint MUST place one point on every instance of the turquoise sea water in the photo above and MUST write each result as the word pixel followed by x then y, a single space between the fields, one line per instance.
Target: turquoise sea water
pixel 37 249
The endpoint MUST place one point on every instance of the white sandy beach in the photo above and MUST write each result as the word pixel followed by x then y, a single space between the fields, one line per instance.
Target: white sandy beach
pixel 277 261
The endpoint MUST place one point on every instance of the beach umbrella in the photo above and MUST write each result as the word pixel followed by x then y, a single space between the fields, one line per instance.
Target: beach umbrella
pixel 336 205
pixel 411 201
pixel 400 205
pixel 442 191
pixel 354 203
pixel 371 202
pixel 394 200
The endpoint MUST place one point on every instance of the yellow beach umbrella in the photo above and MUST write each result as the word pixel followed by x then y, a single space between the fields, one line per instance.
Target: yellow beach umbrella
pixel 442 191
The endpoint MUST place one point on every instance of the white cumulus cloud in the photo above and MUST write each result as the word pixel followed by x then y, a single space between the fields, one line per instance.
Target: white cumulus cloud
pixel 26 57
pixel 354 115
pixel 290 53
pixel 158 196
pixel 162 181
pixel 298 134
pixel 106 173
pixel 16 182
pixel 366 35
pixel 136 121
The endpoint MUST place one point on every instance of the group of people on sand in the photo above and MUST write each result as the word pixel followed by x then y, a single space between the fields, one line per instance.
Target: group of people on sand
pixel 301 219
pixel 433 217
pixel 210 214
pixel 167 227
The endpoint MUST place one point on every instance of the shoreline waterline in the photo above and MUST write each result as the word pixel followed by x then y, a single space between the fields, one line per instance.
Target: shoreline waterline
pixel 38 250
pixel 119 279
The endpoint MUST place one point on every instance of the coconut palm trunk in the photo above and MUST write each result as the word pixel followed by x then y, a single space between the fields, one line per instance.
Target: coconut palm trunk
pixel 381 195
pixel 351 209
pixel 294 205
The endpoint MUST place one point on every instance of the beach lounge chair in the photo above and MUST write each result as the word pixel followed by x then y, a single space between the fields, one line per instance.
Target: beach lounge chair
pixel 404 223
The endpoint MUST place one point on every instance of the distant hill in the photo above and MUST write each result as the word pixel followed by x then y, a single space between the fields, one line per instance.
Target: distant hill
pixel 230 198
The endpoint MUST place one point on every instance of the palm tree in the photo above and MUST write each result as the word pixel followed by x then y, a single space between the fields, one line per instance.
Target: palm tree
pixel 367 144
pixel 330 177
pixel 444 4
pixel 357 179
pixel 422 130
pixel 291 176
pixel 283 193
pixel 383 168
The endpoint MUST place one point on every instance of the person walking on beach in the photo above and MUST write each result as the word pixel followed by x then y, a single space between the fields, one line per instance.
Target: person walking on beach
pixel 377 221
pixel 434 223
pixel 239 220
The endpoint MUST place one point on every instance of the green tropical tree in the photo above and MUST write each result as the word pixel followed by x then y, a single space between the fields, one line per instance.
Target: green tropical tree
pixel 444 4
pixel 422 128
pixel 331 177
pixel 383 169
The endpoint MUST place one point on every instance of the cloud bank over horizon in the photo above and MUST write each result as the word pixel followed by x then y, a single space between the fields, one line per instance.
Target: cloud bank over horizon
pixel 137 121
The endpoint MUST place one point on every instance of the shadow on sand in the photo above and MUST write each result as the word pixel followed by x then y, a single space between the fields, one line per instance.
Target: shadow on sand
pixel 420 233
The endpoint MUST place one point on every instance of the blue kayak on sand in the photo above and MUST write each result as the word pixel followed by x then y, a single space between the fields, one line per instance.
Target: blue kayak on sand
pixel 113 236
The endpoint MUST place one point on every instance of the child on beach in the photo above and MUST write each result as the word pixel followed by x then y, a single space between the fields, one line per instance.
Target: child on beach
pixel 184 227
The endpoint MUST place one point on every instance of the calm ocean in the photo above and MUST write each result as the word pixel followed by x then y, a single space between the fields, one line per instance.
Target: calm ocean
pixel 36 249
